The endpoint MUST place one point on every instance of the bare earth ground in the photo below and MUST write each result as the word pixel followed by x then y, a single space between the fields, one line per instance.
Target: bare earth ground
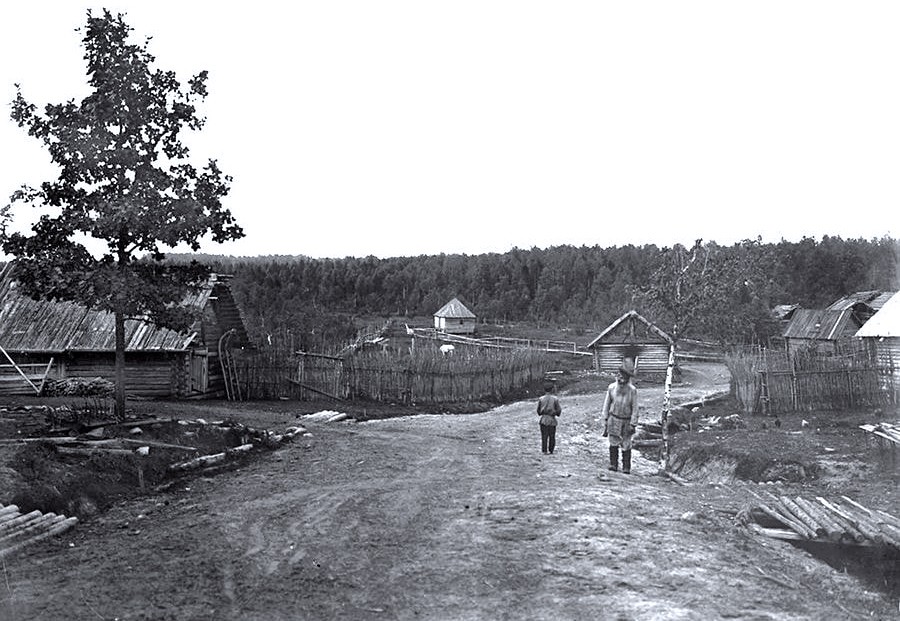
pixel 461 517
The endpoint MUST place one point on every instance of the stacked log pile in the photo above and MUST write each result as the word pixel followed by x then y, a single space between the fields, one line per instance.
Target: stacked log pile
pixel 18 530
pixel 842 520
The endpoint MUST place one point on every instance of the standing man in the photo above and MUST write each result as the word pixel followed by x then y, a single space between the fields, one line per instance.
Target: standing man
pixel 548 409
pixel 620 416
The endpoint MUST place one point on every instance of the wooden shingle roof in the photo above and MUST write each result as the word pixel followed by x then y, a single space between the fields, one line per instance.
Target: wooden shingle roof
pixel 28 325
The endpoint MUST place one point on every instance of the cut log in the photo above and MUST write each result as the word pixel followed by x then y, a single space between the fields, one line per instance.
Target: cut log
pixel 802 516
pixel 94 450
pixel 9 509
pixel 798 527
pixel 209 460
pixel 865 525
pixel 156 444
pixel 198 462
pixel 55 530
pixel 884 516
pixel 776 533
pixel 42 523
pixel 19 520
pixel 851 532
pixel 832 530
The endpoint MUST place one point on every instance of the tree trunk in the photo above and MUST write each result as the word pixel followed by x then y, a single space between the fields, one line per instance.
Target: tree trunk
pixel 667 404
pixel 120 365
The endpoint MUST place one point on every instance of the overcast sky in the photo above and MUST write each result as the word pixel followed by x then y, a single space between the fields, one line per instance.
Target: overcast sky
pixel 393 128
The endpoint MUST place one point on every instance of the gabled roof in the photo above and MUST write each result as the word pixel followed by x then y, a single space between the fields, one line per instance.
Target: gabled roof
pixel 28 325
pixel 884 323
pixel 454 309
pixel 872 299
pixel 822 325
pixel 623 330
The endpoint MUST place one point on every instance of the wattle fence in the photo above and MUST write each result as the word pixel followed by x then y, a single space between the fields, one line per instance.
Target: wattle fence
pixel 767 382
pixel 423 376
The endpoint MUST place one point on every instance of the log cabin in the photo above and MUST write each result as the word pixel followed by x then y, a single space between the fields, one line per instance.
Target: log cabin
pixel 632 338
pixel 43 340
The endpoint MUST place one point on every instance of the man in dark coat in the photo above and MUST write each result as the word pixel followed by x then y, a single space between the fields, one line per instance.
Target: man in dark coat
pixel 548 409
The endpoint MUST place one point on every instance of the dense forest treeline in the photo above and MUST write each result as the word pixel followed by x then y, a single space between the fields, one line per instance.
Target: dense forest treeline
pixel 586 287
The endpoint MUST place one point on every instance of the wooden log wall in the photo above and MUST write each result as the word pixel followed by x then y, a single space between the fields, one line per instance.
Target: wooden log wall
pixel 147 375
pixel 653 358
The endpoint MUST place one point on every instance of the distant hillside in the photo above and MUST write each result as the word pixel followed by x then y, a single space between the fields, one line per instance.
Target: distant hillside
pixel 566 285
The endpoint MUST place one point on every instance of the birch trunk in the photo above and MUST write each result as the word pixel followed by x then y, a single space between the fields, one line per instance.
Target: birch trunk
pixel 667 403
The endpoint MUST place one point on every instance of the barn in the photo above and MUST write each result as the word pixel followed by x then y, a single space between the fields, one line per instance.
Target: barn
pixel 634 338
pixel 41 340
pixel 881 336
pixel 454 318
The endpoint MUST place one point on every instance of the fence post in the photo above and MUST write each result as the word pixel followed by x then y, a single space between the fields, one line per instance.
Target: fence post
pixel 850 387
pixel 793 388
pixel 301 373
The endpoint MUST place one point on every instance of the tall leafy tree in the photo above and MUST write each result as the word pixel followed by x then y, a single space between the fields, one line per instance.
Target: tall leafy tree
pixel 126 181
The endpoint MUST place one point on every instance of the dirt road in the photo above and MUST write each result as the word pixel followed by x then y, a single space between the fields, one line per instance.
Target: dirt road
pixel 431 517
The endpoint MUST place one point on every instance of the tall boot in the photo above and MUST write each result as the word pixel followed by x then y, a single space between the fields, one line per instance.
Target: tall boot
pixel 614 458
pixel 626 461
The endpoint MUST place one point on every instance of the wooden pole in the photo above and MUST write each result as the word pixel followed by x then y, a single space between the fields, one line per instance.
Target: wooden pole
pixel 25 377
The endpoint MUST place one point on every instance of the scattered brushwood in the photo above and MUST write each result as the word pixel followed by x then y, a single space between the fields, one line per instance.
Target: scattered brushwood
pixel 86 412
pixel 732 421
pixel 78 387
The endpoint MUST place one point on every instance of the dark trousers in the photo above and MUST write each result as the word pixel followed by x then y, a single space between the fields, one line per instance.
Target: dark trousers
pixel 548 438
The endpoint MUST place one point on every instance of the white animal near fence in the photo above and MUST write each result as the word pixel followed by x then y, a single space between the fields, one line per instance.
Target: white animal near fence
pixel 447 349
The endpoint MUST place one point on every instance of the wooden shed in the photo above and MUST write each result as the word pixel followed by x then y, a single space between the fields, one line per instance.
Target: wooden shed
pixel 821 330
pixel 60 340
pixel 454 318
pixel 881 335
pixel 632 337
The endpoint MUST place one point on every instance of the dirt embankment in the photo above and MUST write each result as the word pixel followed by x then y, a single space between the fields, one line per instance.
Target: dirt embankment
pixel 434 517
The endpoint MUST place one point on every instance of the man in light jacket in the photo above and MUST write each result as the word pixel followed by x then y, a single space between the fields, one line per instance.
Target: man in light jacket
pixel 620 417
